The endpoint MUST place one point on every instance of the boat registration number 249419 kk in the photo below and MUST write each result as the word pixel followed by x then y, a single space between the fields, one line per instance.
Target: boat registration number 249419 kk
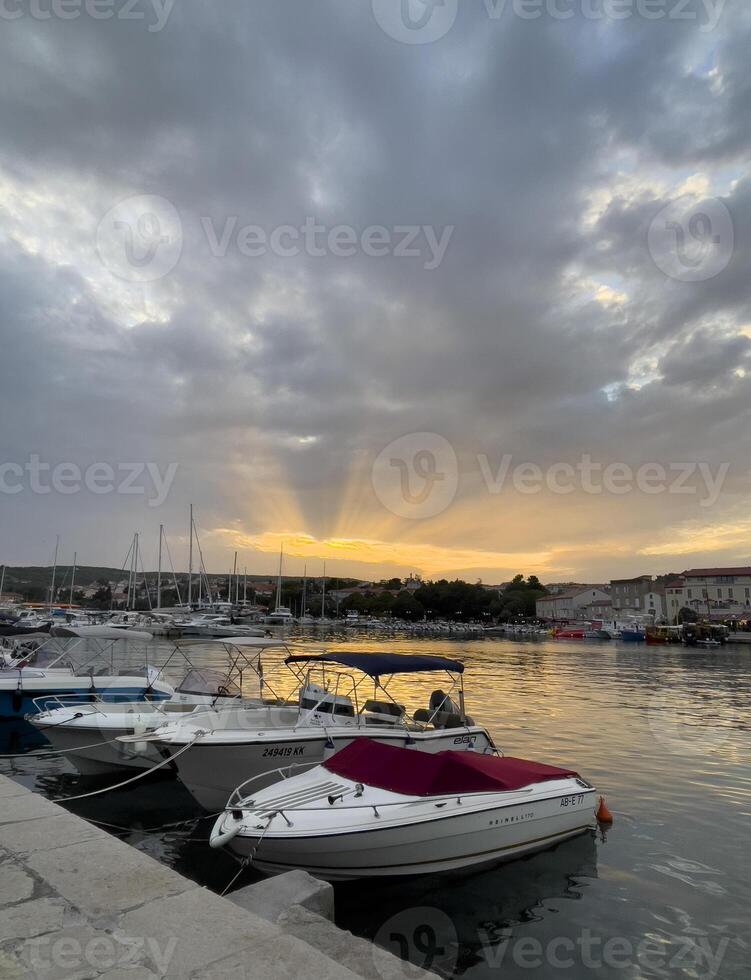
pixel 575 800
pixel 277 750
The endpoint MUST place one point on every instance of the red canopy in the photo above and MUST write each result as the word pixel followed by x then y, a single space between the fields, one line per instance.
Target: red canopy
pixel 415 773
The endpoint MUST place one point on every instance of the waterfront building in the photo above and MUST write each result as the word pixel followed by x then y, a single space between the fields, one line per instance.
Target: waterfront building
pixel 639 596
pixel 570 605
pixel 720 588
pixel 600 610
pixel 674 599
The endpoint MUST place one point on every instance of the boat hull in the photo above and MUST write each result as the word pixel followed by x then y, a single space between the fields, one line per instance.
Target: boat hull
pixel 212 770
pixel 90 735
pixel 98 752
pixel 460 840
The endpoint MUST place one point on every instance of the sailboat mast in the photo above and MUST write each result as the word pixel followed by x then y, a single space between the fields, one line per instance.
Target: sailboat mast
pixel 131 555
pixel 304 584
pixel 190 560
pixel 323 594
pixel 72 579
pixel 279 579
pixel 234 577
pixel 245 586
pixel 159 570
pixel 54 571
pixel 135 572
pixel 2 583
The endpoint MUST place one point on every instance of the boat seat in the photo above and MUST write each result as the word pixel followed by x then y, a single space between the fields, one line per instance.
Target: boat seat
pixel 449 719
pixel 440 719
pixel 384 712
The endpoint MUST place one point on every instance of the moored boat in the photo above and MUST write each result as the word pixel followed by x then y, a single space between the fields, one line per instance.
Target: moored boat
pixel 374 810
pixel 214 752
pixel 663 635
pixel 93 735
pixel 47 678
pixel 570 633
pixel 633 635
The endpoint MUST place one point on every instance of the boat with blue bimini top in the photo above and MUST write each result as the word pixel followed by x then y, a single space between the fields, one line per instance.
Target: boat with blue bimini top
pixel 376 810
pixel 215 751
pixel 39 674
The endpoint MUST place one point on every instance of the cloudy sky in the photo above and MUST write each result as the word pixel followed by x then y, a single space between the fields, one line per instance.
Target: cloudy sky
pixel 458 288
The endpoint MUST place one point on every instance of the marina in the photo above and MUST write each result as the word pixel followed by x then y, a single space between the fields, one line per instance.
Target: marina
pixel 375 583
pixel 662 732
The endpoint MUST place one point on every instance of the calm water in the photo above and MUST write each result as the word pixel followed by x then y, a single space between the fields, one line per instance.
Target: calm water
pixel 664 733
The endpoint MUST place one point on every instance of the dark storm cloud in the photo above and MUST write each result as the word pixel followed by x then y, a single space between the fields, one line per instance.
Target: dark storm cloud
pixel 268 113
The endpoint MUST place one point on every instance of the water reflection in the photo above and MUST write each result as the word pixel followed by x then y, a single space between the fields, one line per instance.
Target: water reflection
pixel 664 733
pixel 462 922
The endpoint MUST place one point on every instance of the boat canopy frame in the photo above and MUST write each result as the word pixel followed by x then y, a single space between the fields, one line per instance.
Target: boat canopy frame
pixel 374 667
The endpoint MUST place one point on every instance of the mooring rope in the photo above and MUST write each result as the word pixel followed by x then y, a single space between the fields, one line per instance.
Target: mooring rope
pixel 133 779
pixel 154 830
pixel 43 753
pixel 246 861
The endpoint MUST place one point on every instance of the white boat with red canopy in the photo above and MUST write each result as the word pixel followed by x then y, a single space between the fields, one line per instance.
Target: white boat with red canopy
pixel 376 810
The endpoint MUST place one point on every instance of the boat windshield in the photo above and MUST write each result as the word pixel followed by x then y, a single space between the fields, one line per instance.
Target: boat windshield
pixel 210 682
pixel 44 658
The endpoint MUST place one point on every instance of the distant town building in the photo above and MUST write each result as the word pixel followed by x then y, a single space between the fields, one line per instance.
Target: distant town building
pixel 639 596
pixel 599 610
pixel 727 588
pixel 263 588
pixel 674 599
pixel 571 605
pixel 12 597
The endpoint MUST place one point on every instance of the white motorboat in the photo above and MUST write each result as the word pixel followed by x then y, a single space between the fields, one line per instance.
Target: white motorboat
pixel 89 734
pixel 213 753
pixel 219 626
pixel 281 616
pixel 47 676
pixel 373 810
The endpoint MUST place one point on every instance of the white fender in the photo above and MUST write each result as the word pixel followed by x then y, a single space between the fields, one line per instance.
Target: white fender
pixel 221 837
pixel 140 748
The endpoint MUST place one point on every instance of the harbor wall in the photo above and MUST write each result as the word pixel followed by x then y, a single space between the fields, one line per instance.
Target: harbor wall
pixel 78 904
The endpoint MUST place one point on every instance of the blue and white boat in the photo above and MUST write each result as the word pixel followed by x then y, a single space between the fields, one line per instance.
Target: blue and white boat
pixel 633 635
pixel 34 681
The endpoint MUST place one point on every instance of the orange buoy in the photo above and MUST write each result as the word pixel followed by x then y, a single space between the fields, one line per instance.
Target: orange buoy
pixel 603 814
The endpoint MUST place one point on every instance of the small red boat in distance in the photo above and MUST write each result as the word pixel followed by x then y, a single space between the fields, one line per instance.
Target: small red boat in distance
pixel 569 634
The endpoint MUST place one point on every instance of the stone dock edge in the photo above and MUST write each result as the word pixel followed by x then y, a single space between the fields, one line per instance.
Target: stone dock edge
pixel 78 904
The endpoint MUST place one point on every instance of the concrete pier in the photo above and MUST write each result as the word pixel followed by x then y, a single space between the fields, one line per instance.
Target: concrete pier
pixel 79 904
